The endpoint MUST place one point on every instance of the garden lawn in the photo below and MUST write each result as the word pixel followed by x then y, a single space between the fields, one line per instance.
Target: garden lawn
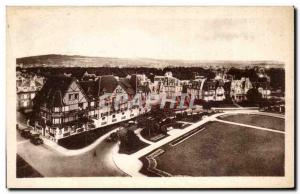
pixel 257 120
pixel 223 150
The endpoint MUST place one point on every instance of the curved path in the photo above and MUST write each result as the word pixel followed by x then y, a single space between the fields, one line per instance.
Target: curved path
pixel 95 161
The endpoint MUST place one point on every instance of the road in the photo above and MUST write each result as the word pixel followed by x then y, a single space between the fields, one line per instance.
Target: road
pixel 52 164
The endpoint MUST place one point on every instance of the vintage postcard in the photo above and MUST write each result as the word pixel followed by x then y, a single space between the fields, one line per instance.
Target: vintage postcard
pixel 150 97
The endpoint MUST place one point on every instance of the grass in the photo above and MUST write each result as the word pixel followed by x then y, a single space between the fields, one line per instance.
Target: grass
pixel 257 120
pixel 84 139
pixel 223 150
pixel 192 118
pixel 130 150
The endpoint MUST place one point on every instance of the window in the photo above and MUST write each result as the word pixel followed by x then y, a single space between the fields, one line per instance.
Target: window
pixel 73 96
pixel 56 109
pixel 56 120
pixel 92 104
pixel 66 120
pixel 25 96
pixel 103 118
pixel 113 116
pixel 66 108
pixel 25 104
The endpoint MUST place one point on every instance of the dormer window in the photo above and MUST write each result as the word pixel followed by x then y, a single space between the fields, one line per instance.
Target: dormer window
pixel 73 96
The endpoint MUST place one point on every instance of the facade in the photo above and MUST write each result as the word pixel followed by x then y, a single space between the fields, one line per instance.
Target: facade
pixel 26 88
pixel 263 87
pixel 195 88
pixel 168 84
pixel 239 89
pixel 158 85
pixel 68 107
pixel 59 107
pixel 206 90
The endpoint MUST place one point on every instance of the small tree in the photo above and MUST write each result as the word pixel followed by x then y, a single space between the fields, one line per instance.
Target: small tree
pixel 129 141
pixel 254 96
pixel 207 105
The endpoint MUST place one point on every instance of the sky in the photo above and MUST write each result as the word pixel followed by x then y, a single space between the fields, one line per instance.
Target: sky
pixel 189 33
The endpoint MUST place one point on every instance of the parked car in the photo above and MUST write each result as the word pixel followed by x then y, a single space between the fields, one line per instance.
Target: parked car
pixel 91 126
pixel 25 133
pixel 35 139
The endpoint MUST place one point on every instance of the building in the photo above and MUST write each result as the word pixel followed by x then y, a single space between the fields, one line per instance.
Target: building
pixel 26 87
pixel 168 84
pixel 263 86
pixel 195 88
pixel 209 90
pixel 59 107
pixel 158 84
pixel 206 90
pixel 66 107
pixel 239 89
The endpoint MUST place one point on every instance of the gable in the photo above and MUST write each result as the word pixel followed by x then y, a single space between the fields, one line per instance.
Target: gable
pixel 74 94
pixel 119 91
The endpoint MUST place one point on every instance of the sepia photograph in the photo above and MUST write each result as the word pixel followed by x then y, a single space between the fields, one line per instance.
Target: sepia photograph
pixel 150 97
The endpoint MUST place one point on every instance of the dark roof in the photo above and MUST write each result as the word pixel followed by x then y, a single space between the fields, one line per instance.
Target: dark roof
pixel 227 85
pixel 89 88
pixel 144 89
pixel 137 85
pixel 134 81
pixel 127 86
pixel 210 85
pixel 262 79
pixel 106 83
pixel 53 91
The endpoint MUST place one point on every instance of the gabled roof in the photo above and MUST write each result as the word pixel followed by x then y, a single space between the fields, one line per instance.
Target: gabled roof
pixel 106 83
pixel 127 86
pixel 89 88
pixel 210 85
pixel 134 81
pixel 53 91
pixel 137 85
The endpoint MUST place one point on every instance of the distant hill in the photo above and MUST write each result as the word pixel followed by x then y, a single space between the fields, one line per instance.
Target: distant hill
pixel 55 61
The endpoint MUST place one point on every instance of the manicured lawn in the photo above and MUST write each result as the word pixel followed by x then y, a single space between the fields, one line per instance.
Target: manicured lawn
pixel 223 150
pixel 257 120
pixel 192 118
pixel 130 150
pixel 84 139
